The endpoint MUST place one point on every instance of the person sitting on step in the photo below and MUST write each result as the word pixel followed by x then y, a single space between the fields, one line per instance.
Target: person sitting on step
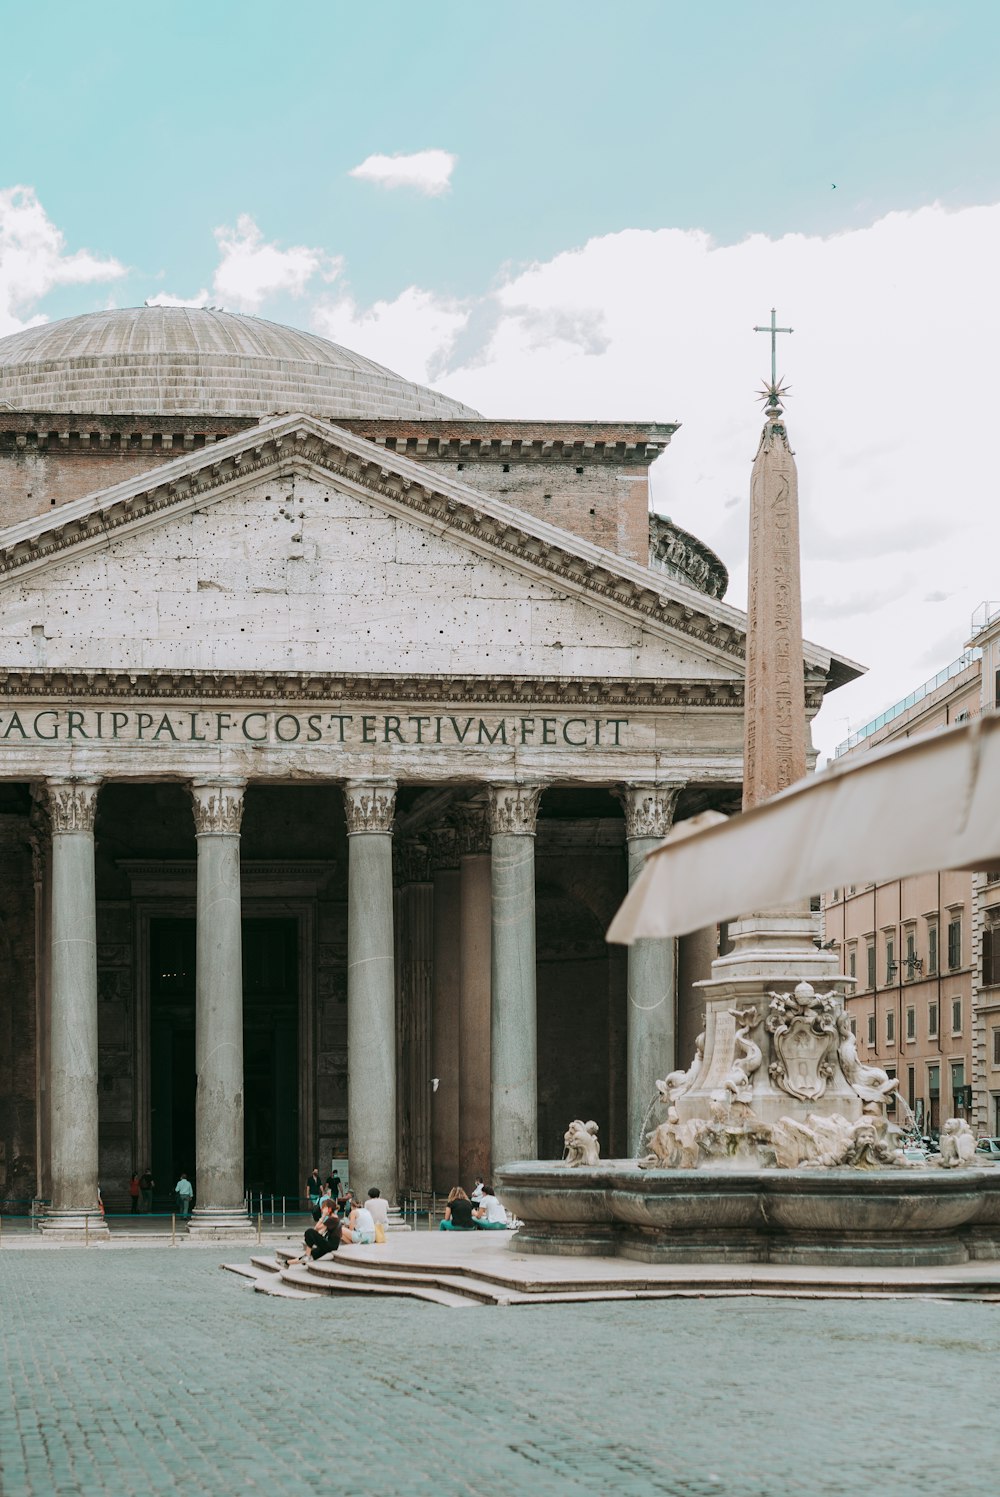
pixel 490 1215
pixel 361 1227
pixel 457 1212
pixel 323 1238
pixel 378 1207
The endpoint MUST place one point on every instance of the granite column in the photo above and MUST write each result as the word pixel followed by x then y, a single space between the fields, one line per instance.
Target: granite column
pixel 446 998
pixel 514 1030
pixel 73 1047
pixel 475 1150
pixel 219 1139
pixel 652 965
pixel 371 990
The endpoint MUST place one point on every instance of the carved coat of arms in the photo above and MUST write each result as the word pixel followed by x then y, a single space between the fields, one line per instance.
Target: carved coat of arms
pixel 803 1029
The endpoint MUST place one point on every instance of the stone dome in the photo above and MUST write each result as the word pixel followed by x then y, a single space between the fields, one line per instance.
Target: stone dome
pixel 193 361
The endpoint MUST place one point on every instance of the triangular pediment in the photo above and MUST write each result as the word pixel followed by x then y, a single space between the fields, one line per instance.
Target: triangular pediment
pixel 322 550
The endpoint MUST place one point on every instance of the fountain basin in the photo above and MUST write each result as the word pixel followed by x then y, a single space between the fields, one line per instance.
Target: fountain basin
pixel 915 1217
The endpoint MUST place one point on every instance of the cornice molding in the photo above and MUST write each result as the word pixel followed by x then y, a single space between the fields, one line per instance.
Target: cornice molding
pixel 321 687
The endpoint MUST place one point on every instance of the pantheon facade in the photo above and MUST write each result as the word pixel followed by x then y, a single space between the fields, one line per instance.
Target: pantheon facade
pixel 334 720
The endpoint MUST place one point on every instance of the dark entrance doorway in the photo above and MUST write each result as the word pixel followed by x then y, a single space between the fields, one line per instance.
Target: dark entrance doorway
pixel 171 1053
pixel 270 1053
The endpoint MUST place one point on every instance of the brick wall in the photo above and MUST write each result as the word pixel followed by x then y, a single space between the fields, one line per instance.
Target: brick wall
pixel 589 479
pixel 606 504
pixel 47 461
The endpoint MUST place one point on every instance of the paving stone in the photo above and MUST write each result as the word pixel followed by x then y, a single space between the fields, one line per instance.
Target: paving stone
pixel 148 1371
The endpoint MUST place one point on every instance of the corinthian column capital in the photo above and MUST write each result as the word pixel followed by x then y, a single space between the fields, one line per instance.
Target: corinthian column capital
pixel 72 805
pixel 649 809
pixel 369 805
pixel 218 808
pixel 513 809
pixel 443 845
pixel 472 829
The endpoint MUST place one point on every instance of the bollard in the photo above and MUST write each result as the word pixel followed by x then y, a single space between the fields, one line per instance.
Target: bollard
pixel 259 1216
pixel 272 1211
pixel 173 1229
pixel 282 1213
pixel 86 1229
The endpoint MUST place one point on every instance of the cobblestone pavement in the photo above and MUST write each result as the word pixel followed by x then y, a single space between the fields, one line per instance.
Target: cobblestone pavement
pixel 147 1370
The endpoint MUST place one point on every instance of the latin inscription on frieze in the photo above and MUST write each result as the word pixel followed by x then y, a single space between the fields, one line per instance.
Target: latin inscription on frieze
pixel 154 727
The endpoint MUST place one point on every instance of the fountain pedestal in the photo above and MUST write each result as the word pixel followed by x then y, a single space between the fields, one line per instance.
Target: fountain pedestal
pixel 779 1069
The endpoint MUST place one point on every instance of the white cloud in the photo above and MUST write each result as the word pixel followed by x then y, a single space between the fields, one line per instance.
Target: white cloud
pixel 428 172
pixel 164 299
pixel 413 335
pixel 892 367
pixel 251 269
pixel 33 260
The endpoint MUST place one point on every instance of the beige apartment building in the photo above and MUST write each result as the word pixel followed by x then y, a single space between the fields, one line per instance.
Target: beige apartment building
pixel 925 951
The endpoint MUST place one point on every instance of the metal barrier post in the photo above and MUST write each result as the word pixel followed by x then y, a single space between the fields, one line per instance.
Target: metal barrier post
pixel 272 1210
pixel 173 1229
pixel 282 1213
pixel 86 1229
pixel 259 1214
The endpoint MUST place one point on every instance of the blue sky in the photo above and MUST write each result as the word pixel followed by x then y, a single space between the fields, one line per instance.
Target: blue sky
pixel 628 185
pixel 143 127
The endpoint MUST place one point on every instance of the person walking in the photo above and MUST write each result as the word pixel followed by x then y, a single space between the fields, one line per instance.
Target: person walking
pixel 146 1187
pixel 133 1190
pixel 183 1192
pixel 314 1192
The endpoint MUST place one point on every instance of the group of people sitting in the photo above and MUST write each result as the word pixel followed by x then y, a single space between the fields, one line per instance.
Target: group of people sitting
pixel 341 1219
pixel 338 1217
pixel 483 1210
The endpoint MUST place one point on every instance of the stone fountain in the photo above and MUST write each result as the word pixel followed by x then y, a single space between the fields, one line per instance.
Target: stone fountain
pixel 775 1145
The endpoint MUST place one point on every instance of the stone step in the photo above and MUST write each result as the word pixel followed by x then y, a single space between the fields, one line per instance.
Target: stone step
pixel 337 1275
pixel 836 1282
pixel 306 1283
pixel 266 1265
pixel 269 1284
pixel 244 1270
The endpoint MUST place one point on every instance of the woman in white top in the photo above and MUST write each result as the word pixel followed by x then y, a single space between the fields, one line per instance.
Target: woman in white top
pixel 490 1215
pixel 361 1227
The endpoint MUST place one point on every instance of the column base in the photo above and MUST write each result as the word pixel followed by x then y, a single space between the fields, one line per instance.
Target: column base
pixel 74 1226
pixel 223 1222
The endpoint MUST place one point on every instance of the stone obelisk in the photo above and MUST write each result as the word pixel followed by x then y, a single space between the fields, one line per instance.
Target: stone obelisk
pixel 772 950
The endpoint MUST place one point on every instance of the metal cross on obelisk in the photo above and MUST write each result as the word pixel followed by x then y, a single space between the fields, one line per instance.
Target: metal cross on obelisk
pixel 773 330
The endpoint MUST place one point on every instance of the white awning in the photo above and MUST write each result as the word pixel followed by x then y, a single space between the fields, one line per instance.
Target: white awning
pixel 928 804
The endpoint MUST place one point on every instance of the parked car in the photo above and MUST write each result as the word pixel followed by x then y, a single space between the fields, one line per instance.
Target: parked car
pixel 990 1147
